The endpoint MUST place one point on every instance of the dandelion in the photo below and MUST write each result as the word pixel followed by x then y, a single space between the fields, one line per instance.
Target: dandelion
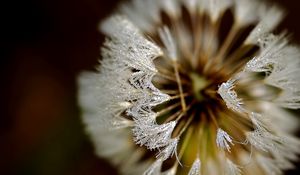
pixel 194 87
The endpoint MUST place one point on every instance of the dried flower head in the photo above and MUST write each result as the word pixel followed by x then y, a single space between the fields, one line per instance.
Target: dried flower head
pixel 194 87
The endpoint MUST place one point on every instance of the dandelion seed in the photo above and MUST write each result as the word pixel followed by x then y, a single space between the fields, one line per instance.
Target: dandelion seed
pixel 154 168
pixel 153 135
pixel 169 150
pixel 231 168
pixel 257 121
pixel 169 43
pixel 230 97
pixel 264 140
pixel 170 87
pixel 195 169
pixel 269 165
pixel 223 140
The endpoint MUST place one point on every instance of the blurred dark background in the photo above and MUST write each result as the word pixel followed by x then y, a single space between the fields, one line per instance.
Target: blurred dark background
pixel 44 45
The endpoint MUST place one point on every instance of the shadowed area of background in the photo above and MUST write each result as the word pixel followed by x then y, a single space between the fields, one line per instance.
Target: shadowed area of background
pixel 44 45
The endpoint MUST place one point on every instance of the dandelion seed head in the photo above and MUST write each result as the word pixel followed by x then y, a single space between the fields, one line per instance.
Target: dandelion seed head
pixel 180 91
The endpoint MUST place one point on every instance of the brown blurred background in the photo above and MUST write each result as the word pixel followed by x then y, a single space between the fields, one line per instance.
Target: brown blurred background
pixel 44 45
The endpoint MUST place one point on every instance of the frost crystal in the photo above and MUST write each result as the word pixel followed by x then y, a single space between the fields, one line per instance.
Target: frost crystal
pixel 257 121
pixel 153 135
pixel 128 46
pixel 230 97
pixel 273 48
pixel 196 167
pixel 264 140
pixel 223 139
pixel 169 150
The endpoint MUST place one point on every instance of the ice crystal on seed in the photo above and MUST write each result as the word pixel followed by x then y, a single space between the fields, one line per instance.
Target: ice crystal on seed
pixel 170 90
pixel 196 167
pixel 230 97
pixel 128 46
pixel 264 140
pixel 223 139
pixel 272 55
pixel 257 121
pixel 153 135
pixel 168 150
